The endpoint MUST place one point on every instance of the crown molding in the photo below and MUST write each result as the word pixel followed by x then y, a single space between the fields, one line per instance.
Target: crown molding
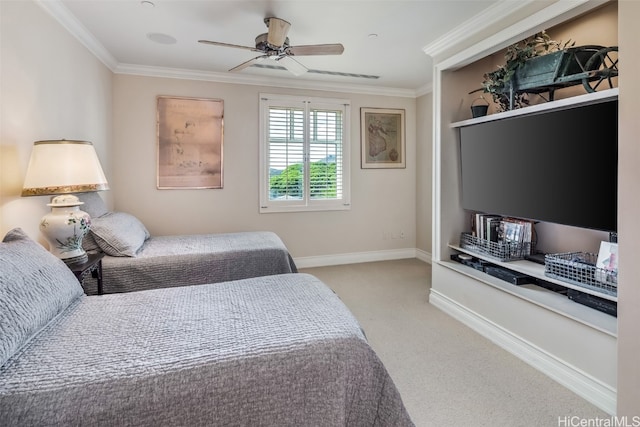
pixel 423 90
pixel 479 22
pixel 246 79
pixel 60 13
pixel 554 14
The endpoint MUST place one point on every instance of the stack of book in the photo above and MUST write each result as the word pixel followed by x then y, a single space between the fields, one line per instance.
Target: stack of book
pixel 498 229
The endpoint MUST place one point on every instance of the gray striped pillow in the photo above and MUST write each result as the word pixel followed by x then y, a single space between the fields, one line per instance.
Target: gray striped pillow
pixel 119 233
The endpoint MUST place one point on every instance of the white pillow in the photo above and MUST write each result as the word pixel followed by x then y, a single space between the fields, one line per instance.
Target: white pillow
pixel 119 233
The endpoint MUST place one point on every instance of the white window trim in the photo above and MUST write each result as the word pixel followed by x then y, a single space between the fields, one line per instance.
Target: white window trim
pixel 271 206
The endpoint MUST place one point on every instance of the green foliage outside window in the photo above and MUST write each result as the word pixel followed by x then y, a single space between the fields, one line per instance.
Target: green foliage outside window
pixel 289 183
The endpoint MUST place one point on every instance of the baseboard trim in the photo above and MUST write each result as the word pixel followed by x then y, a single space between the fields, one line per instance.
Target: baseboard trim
pixel 423 256
pixel 358 257
pixel 584 385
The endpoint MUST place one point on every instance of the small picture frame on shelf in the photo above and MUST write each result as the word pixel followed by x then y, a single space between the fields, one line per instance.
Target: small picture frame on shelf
pixel 607 263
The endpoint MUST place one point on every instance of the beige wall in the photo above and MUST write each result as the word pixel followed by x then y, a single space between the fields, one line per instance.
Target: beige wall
pixel 424 158
pixel 51 88
pixel 383 201
pixel 629 212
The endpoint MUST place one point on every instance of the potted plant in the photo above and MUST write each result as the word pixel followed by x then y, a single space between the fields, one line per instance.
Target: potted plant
pixel 499 83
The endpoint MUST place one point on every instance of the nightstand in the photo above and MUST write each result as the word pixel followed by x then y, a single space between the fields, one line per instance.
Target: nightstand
pixel 92 266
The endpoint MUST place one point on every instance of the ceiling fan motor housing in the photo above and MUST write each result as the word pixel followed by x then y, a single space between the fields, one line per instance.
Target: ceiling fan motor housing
pixel 263 44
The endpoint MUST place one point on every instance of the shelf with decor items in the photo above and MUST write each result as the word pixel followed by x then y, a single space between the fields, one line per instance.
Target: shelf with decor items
pixel 537 271
pixel 538 295
pixel 588 98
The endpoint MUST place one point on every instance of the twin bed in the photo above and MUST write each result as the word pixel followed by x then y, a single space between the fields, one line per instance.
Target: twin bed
pixel 134 260
pixel 168 261
pixel 279 349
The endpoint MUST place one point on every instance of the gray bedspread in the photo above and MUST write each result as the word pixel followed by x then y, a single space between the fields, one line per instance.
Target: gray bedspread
pixel 281 350
pixel 168 261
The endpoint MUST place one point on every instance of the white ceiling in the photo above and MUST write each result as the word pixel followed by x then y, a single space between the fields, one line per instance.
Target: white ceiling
pixel 117 31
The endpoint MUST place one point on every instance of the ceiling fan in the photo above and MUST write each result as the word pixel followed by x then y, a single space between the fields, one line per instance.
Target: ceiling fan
pixel 275 45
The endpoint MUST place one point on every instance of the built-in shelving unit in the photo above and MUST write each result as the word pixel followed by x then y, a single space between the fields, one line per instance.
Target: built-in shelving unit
pixel 572 343
pixel 558 303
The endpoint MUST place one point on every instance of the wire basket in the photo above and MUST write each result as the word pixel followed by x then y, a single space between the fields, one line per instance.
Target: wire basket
pixel 579 268
pixel 502 251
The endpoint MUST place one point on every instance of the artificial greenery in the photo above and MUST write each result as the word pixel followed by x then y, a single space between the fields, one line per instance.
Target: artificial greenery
pixel 498 82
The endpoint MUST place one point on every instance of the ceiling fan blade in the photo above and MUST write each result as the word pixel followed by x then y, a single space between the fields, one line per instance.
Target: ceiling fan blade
pixel 229 45
pixel 316 49
pixel 278 29
pixel 248 63
pixel 296 68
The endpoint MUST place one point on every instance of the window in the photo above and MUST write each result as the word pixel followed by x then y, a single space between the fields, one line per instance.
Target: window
pixel 304 161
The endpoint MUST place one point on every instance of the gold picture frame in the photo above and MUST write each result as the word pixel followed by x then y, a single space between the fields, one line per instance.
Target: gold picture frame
pixel 382 138
pixel 190 142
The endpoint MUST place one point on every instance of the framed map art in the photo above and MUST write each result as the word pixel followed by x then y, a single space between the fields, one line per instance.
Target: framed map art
pixel 383 139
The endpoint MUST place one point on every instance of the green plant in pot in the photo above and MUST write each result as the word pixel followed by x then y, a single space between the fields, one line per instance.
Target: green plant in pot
pixel 499 83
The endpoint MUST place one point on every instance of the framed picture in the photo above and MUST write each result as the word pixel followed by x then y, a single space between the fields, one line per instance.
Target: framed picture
pixel 607 263
pixel 383 139
pixel 190 137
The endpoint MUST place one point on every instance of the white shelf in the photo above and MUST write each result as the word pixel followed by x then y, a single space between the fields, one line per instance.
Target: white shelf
pixel 561 104
pixel 535 270
pixel 545 298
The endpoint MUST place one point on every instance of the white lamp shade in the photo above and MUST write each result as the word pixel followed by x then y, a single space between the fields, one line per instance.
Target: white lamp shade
pixel 63 166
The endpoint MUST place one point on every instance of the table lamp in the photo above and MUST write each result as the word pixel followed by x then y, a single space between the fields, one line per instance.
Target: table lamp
pixel 60 168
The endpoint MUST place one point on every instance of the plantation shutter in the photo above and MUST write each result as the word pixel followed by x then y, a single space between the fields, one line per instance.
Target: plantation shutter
pixel 325 146
pixel 303 158
pixel 286 153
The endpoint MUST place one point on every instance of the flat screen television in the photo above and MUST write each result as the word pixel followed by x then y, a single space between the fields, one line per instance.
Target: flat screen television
pixel 558 166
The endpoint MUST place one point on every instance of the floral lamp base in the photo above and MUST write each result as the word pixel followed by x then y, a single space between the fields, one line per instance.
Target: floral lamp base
pixel 65 227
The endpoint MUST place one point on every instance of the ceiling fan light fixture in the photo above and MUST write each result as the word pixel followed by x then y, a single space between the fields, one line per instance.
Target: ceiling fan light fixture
pixel 278 29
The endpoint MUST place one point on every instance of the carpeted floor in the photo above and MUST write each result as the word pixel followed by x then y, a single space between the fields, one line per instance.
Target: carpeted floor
pixel 448 375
